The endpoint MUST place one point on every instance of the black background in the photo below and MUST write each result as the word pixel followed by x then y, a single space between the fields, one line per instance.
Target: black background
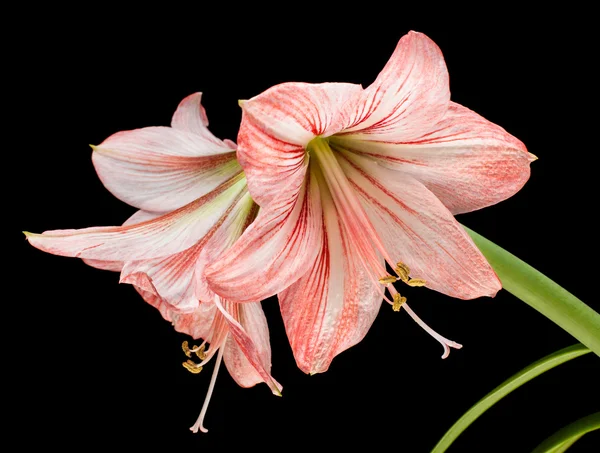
pixel 96 367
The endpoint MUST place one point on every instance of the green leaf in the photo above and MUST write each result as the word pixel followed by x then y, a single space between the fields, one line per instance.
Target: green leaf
pixel 561 440
pixel 512 383
pixel 541 293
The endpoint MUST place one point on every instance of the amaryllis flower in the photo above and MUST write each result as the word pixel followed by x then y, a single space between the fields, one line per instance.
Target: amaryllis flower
pixel 194 204
pixel 349 179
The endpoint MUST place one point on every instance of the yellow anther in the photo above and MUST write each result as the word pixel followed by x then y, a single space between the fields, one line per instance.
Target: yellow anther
pixel 200 352
pixel 186 349
pixel 387 279
pixel 401 265
pixel 403 271
pixel 192 367
pixel 416 282
pixel 398 301
pixel 402 274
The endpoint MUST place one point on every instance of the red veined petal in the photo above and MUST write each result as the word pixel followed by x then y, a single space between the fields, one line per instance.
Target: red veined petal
pixel 196 324
pixel 409 96
pixel 273 252
pixel 163 168
pixel 117 266
pixel 247 349
pixel 333 305
pixel 163 236
pixel 417 229
pixel 276 127
pixel 179 279
pixel 465 160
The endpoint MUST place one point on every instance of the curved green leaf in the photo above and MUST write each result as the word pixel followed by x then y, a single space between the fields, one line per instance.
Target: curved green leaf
pixel 561 440
pixel 512 383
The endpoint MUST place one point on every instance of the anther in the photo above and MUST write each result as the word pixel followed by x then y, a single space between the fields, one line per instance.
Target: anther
pixel 398 302
pixel 199 351
pixel 186 349
pixel 403 271
pixel 192 367
pixel 416 282
pixel 387 280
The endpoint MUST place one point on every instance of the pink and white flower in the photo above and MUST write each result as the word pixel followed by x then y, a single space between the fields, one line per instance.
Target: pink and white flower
pixel 193 205
pixel 349 179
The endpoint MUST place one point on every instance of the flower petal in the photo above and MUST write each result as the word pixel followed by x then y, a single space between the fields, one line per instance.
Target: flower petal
pixel 467 161
pixel 160 168
pixel 331 307
pixel 179 279
pixel 273 252
pixel 247 349
pixel 190 115
pixel 417 229
pixel 163 236
pixel 409 96
pixel 158 303
pixel 117 266
pixel 276 127
pixel 196 324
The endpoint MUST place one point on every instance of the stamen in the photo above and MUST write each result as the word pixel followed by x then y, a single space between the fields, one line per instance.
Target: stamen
pixel 403 271
pixel 338 190
pixel 387 280
pixel 192 366
pixel 186 349
pixel 446 344
pixel 199 422
pixel 398 302
pixel 416 282
pixel 200 351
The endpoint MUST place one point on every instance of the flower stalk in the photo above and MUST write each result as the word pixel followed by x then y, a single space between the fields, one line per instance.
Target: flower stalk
pixel 541 293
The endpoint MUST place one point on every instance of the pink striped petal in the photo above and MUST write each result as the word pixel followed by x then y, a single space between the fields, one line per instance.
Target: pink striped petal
pixel 190 115
pixel 117 266
pixel 407 99
pixel 247 350
pixel 114 266
pixel 276 127
pixel 158 303
pixel 331 307
pixel 273 252
pixel 162 168
pixel 163 236
pixel 172 278
pixel 417 229
pixel 179 279
pixel 467 161
pixel 197 324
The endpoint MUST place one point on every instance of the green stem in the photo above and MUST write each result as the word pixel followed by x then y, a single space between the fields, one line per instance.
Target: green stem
pixel 505 388
pixel 541 293
pixel 561 440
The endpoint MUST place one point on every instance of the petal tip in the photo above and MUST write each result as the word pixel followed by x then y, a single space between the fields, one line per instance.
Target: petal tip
pixel 29 234
pixel 532 157
pixel 241 102
pixel 493 291
pixel 94 147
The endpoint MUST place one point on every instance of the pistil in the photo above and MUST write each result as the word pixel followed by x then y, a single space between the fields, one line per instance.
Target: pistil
pixel 199 425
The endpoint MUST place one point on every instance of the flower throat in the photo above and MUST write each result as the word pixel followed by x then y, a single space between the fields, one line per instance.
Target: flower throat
pixel 337 194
